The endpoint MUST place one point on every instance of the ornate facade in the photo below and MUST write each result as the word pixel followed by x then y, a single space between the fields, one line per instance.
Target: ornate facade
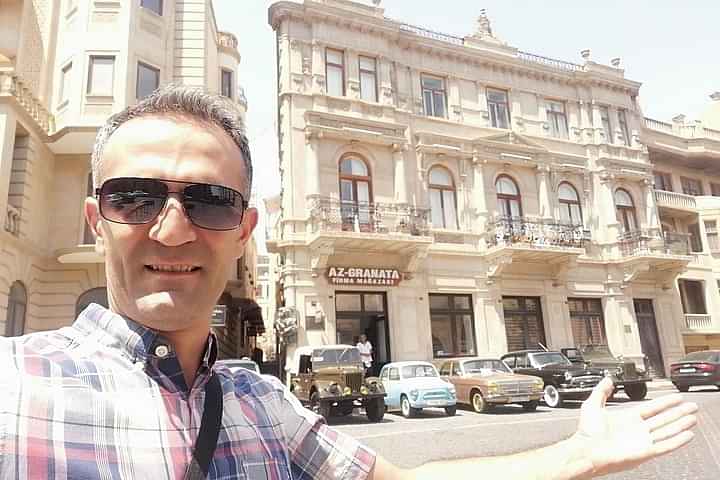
pixel 511 192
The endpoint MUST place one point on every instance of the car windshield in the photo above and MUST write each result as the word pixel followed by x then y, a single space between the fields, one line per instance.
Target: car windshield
pixel 543 359
pixel 414 371
pixel 705 356
pixel 325 356
pixel 486 367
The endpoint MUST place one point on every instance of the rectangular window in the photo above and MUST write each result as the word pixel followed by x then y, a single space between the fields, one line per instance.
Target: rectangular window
pixel 692 297
pixel 433 93
pixel 101 75
pixel 715 189
pixel 695 240
pixel 368 79
pixel 622 122
pixel 498 108
pixel 606 125
pixel 452 325
pixel 226 83
pixel 557 119
pixel 711 234
pixel 663 181
pixel 64 92
pixel 153 5
pixel 148 80
pixel 335 72
pixel 691 186
pixel 586 321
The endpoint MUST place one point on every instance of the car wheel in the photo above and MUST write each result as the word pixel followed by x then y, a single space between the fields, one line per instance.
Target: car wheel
pixel 636 391
pixel 375 409
pixel 530 406
pixel 682 388
pixel 406 409
pixel 478 402
pixel 552 396
pixel 318 406
pixel 451 410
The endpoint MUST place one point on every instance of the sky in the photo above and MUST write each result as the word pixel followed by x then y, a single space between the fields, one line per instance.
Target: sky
pixel 670 46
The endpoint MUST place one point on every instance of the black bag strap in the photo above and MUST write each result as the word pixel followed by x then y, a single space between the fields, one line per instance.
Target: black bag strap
pixel 209 430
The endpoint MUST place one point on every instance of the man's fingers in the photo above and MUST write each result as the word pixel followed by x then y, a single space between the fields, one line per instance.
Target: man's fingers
pixel 670 415
pixel 673 429
pixel 600 393
pixel 672 443
pixel 658 405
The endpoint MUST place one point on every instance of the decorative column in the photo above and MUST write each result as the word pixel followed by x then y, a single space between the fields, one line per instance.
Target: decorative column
pixel 8 124
pixel 400 180
pixel 650 207
pixel 604 207
pixel 478 193
pixel 318 67
pixel 312 165
pixel 544 192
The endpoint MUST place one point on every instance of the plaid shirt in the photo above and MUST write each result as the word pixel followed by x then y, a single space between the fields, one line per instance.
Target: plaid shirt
pixel 106 399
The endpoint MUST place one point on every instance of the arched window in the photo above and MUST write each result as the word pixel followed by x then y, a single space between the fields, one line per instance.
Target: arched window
pixel 625 210
pixel 442 199
pixel 94 295
pixel 355 193
pixel 17 305
pixel 508 197
pixel 570 210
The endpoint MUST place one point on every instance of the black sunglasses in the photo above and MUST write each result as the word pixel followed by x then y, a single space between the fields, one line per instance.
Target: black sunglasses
pixel 134 201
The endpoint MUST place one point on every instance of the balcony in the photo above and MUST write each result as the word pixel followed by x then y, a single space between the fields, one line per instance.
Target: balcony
pixel 698 322
pixel 367 227
pixel 14 89
pixel 536 241
pixel 652 252
pixel 675 202
pixel 688 131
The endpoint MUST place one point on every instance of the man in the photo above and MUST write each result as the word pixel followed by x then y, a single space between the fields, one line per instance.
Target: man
pixel 366 351
pixel 120 394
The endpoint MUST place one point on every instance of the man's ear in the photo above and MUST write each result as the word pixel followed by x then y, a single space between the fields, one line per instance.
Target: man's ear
pixel 92 217
pixel 250 219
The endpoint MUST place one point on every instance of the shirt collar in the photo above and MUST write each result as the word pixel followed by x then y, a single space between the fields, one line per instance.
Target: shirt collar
pixel 134 340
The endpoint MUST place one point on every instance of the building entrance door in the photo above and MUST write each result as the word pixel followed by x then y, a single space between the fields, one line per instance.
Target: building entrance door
pixel 523 322
pixel 364 312
pixel 649 340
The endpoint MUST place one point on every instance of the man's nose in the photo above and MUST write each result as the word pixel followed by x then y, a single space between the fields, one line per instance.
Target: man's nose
pixel 172 227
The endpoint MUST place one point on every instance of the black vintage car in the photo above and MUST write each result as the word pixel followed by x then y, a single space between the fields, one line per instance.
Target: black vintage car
pixel 624 373
pixel 563 380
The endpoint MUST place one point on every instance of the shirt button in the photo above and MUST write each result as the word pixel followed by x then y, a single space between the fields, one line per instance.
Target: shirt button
pixel 162 351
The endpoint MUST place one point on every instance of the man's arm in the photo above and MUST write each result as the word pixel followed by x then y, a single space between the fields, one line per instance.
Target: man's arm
pixel 604 443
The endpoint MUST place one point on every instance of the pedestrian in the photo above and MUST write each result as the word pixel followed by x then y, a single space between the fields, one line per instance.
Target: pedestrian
pixel 366 353
pixel 132 391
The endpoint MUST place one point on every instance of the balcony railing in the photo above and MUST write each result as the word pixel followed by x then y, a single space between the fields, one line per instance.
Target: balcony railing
pixel 329 214
pixel 675 200
pixel 227 40
pixel 504 231
pixel 694 321
pixel 12 86
pixel 648 241
pixel 12 220
pixel 550 62
pixel 682 130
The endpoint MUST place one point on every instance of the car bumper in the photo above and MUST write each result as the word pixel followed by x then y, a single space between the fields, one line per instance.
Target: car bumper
pixel 693 380
pixel 576 392
pixel 622 383
pixel 434 403
pixel 352 397
pixel 501 399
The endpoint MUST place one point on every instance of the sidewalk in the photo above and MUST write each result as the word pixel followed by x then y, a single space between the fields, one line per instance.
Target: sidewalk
pixel 660 384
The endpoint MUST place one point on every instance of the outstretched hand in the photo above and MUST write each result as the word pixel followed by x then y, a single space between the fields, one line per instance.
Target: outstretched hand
pixel 614 441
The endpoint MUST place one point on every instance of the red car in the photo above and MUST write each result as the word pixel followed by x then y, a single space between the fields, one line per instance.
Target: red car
pixel 696 369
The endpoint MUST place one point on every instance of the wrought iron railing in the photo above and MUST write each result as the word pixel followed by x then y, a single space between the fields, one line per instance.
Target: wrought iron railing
pixel 549 62
pixel 330 214
pixel 520 230
pixel 427 33
pixel 647 241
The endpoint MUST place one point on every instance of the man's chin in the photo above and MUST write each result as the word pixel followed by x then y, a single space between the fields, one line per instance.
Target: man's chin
pixel 166 311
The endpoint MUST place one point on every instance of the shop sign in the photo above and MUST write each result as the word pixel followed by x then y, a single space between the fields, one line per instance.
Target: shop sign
pixel 363 276
pixel 219 315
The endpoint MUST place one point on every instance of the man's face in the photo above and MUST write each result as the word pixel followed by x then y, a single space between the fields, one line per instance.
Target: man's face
pixel 363 338
pixel 184 150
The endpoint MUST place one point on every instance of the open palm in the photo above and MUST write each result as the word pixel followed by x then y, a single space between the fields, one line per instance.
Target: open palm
pixel 619 440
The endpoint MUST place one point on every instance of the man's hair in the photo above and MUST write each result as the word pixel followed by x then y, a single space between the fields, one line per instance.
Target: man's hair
pixel 190 102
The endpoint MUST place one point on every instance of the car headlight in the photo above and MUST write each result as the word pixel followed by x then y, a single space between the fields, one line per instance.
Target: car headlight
pixel 568 376
pixel 538 384
pixel 492 387
pixel 347 391
pixel 451 391
pixel 364 390
pixel 414 394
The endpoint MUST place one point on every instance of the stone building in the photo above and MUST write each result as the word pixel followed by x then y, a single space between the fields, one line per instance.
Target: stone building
pixel 65 66
pixel 457 196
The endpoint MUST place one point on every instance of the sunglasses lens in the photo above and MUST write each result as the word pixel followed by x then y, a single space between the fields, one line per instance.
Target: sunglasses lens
pixel 213 206
pixel 132 200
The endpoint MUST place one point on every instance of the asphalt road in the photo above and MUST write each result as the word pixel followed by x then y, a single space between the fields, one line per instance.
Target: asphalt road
pixel 433 436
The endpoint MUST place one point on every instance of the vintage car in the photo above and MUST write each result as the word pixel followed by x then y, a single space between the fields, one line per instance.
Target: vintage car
pixel 563 379
pixel 412 386
pixel 234 364
pixel 485 382
pixel 624 373
pixel 331 381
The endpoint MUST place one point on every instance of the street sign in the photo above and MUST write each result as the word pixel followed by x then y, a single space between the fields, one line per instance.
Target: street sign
pixel 219 315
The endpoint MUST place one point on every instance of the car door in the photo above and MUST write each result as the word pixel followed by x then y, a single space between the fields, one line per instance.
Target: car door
pixel 522 365
pixel 385 379
pixel 462 388
pixel 394 388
